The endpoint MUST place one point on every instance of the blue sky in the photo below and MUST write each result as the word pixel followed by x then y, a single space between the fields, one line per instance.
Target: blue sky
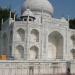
pixel 62 8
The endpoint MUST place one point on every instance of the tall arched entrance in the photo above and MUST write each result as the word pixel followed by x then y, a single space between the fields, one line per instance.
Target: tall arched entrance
pixel 55 45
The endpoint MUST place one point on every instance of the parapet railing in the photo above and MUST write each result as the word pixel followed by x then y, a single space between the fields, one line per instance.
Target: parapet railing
pixel 35 67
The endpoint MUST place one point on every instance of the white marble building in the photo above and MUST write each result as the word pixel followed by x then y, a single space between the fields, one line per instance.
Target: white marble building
pixel 38 36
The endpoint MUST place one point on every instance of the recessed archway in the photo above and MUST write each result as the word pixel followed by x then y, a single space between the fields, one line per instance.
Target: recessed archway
pixel 55 45
pixel 34 35
pixel 21 34
pixel 19 52
pixel 73 46
pixel 73 40
pixel 34 51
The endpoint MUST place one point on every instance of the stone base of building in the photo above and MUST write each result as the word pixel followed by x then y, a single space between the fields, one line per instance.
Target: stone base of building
pixel 37 68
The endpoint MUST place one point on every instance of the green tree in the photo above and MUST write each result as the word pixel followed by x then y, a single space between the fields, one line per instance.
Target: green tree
pixel 4 14
pixel 72 23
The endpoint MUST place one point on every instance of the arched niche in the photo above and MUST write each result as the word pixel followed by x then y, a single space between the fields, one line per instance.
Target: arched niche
pixel 34 51
pixel 34 35
pixel 73 46
pixel 73 39
pixel 55 45
pixel 19 52
pixel 20 34
pixel 5 44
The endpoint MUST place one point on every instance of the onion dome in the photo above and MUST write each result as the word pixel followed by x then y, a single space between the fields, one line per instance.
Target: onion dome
pixel 37 5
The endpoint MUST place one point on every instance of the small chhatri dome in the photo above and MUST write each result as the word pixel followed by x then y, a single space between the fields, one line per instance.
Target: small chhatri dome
pixel 37 5
pixel 27 13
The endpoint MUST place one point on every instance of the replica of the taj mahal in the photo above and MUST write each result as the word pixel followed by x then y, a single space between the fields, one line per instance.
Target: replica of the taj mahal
pixel 37 44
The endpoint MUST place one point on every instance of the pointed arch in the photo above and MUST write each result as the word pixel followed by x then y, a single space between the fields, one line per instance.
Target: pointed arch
pixel 21 34
pixel 19 52
pixel 73 39
pixel 34 35
pixel 73 46
pixel 34 51
pixel 55 45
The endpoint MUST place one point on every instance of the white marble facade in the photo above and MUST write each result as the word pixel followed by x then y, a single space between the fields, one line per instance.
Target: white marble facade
pixel 37 36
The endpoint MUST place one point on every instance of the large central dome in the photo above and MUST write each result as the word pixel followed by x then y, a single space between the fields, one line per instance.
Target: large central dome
pixel 38 5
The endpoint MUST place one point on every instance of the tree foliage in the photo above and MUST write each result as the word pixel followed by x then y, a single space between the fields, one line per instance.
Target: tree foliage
pixel 72 23
pixel 4 14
